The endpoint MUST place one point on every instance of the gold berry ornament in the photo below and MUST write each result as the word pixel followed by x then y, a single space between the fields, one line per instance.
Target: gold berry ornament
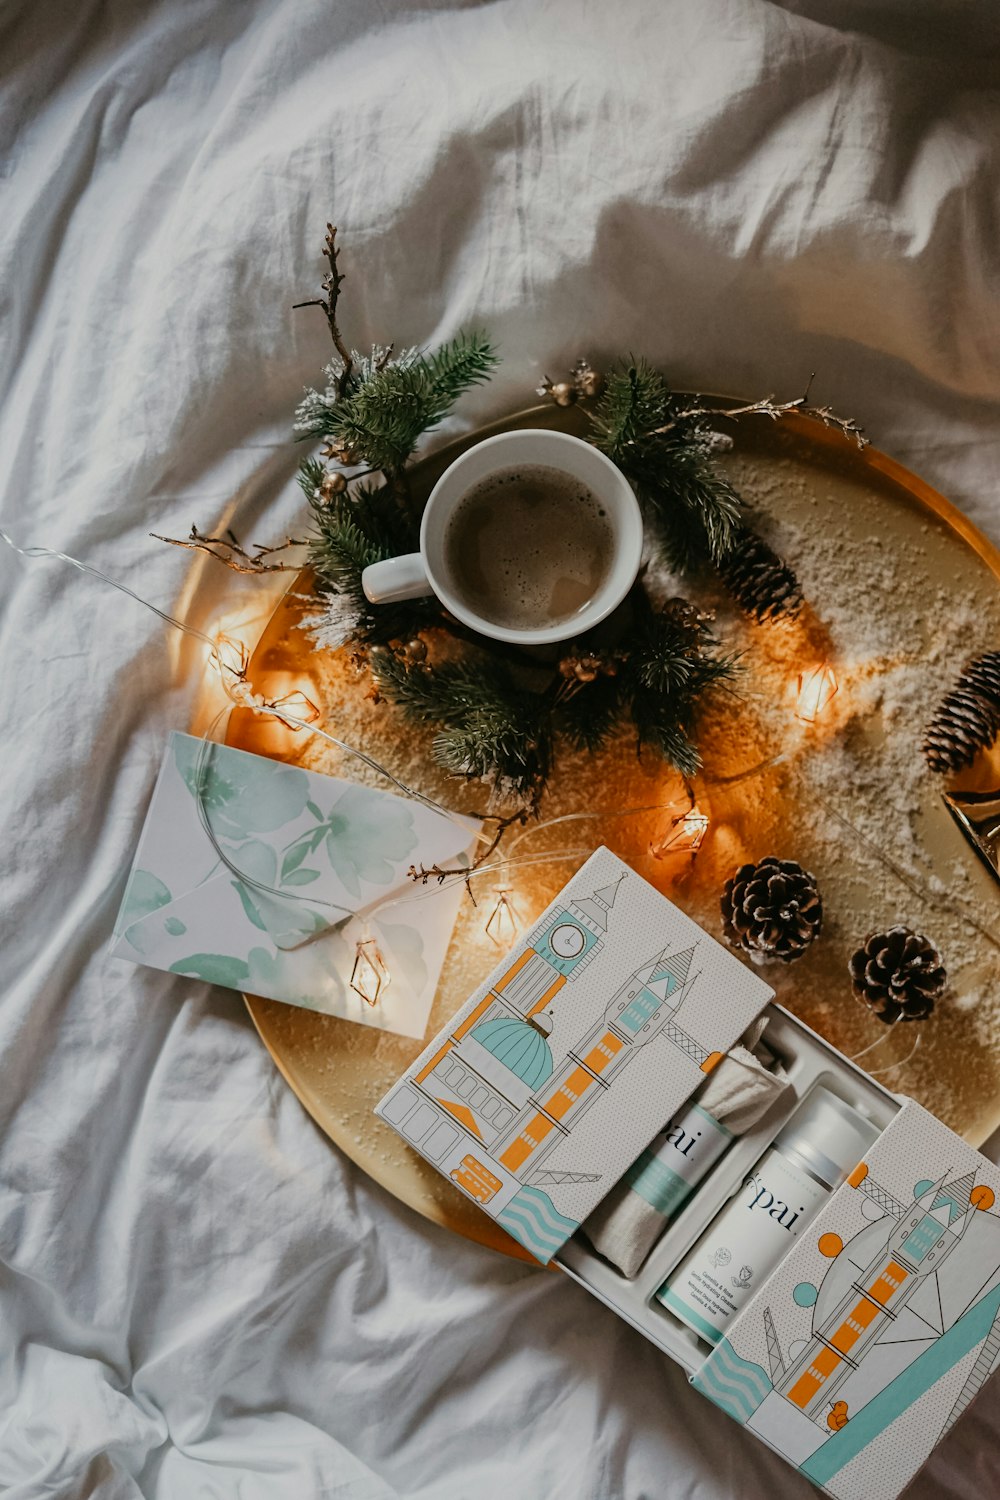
pixel 330 486
pixel 584 382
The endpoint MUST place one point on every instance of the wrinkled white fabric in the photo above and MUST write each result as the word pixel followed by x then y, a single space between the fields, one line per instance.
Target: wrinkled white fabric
pixel 201 1297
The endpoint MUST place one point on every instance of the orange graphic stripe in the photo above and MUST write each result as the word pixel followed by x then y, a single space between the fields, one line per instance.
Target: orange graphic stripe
pixel 568 1093
pixel 600 1055
pixel 827 1360
pixel 463 1114
pixel 470 1021
pixel 430 1066
pixel 520 1149
pixel 888 1283
pixel 515 968
pixel 802 1392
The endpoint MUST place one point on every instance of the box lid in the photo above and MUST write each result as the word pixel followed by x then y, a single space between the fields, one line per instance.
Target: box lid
pixel 864 1346
pixel 572 1054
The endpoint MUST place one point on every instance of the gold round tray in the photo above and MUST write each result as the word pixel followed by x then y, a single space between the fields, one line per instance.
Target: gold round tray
pixel 901 587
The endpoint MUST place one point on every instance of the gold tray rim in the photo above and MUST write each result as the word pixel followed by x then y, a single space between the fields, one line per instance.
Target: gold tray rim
pixel 481 1229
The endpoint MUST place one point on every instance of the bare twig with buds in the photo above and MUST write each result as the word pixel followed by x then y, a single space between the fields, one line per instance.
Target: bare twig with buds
pixel 331 286
pixel 234 555
pixel 767 406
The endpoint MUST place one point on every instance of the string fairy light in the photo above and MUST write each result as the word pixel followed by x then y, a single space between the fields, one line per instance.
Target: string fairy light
pixel 684 834
pixel 370 974
pixel 816 688
pixel 501 926
pixel 230 658
pixel 231 655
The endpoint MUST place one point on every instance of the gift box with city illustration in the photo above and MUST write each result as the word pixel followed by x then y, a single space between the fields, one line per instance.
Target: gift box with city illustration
pixel 870 1338
pixel 566 1061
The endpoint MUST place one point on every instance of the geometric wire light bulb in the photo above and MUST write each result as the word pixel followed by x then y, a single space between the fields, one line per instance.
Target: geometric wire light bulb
pixel 683 835
pixel 370 974
pixel 231 655
pixel 502 925
pixel 298 706
pixel 816 688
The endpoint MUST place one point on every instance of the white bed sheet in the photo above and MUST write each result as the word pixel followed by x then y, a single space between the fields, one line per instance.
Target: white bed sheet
pixel 201 1297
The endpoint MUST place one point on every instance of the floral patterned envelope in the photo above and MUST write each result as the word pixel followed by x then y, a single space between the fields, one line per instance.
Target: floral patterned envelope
pixel 264 877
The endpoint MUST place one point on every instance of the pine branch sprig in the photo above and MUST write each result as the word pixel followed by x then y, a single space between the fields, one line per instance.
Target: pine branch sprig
pixel 490 729
pixel 659 682
pixel 667 454
pixel 392 400
pixel 591 715
pixel 352 532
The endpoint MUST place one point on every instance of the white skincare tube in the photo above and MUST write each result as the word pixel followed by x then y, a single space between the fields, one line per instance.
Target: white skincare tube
pixel 812 1153
pixel 625 1227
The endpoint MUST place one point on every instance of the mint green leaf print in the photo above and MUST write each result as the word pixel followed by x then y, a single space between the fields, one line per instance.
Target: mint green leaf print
pixel 289 920
pixel 215 967
pixel 367 836
pixel 175 926
pixel 248 905
pixel 312 976
pixel 241 794
pixel 144 893
pixel 311 807
pixel 295 856
pixel 301 877
pixel 256 861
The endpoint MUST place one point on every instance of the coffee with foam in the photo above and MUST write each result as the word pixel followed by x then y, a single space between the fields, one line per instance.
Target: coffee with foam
pixel 528 547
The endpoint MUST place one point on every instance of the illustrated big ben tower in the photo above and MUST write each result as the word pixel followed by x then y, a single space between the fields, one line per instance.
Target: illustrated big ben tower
pixel 639 1010
pixel 492 1101
pixel 484 1072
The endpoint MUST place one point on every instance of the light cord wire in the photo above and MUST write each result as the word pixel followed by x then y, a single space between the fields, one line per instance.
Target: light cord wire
pixel 241 695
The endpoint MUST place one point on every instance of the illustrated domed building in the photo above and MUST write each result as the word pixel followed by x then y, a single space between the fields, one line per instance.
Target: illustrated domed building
pixel 520 1047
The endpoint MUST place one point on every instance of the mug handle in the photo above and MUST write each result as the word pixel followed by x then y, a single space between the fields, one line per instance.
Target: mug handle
pixel 396 578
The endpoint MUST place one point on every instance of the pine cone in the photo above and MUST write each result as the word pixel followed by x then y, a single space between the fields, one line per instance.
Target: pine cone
pixel 965 723
pixel 772 910
pixel 982 676
pixel 762 585
pixel 898 974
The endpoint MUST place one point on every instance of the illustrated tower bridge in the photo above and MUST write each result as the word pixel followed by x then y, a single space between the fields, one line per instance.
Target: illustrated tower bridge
pixel 859 1346
pixel 494 1075
pixel 925 1234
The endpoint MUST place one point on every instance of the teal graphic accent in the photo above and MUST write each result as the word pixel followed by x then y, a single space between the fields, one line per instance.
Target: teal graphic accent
pixel 175 926
pixel 927 1234
pixel 890 1403
pixel 145 893
pixel 518 1046
pixel 638 1011
pixel 689 1314
pixel 535 1222
pixel 240 793
pixel 805 1294
pixel 661 1187
pixel 735 1384
pixel 566 943
pixel 214 967
pixel 716 1124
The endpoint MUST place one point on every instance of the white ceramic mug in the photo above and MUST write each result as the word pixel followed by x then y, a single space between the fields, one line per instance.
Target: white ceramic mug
pixel 423 572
